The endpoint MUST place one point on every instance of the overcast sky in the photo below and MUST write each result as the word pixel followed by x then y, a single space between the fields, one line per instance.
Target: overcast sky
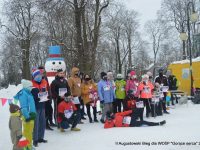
pixel 147 8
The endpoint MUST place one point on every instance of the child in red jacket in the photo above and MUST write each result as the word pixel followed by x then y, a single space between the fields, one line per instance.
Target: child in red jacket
pixel 68 114
pixel 128 119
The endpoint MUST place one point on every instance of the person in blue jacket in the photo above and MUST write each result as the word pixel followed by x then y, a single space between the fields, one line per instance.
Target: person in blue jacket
pixel 106 95
pixel 28 110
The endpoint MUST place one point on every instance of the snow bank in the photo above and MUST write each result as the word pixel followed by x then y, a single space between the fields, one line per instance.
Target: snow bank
pixel 183 125
pixel 186 61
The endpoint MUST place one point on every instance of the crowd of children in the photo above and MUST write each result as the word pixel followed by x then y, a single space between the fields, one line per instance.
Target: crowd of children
pixel 122 102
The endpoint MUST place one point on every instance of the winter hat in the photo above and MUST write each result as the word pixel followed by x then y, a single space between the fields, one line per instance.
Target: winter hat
pixel 41 68
pixel 149 74
pixel 34 68
pixel 26 83
pixel 145 77
pixel 161 70
pixel 36 73
pixel 13 108
pixel 109 73
pixel 103 74
pixel 132 73
pixel 119 76
pixel 168 73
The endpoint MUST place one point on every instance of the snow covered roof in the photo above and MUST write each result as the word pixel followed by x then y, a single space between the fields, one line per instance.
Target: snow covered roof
pixel 150 66
pixel 187 61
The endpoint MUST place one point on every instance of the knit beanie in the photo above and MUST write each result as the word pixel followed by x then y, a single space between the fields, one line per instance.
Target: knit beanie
pixel 119 76
pixel 35 73
pixel 14 108
pixel 26 83
pixel 132 73
pixel 103 74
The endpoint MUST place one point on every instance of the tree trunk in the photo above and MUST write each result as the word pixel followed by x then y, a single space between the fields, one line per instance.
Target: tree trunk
pixel 129 52
pixel 25 46
pixel 119 56
pixel 97 24
pixel 79 43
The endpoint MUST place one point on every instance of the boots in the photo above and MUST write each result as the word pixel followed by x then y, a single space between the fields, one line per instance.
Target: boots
pixel 75 129
pixel 166 112
pixel 52 124
pixel 42 141
pixel 162 123
pixel 62 130
pixel 95 120
pixel 102 121
pixel 90 119
pixel 35 143
pixel 48 128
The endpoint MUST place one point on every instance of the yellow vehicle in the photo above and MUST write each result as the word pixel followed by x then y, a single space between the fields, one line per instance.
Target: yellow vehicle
pixel 181 69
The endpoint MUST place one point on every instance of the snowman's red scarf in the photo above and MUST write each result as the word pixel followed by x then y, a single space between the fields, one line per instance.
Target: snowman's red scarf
pixel 51 74
pixel 54 55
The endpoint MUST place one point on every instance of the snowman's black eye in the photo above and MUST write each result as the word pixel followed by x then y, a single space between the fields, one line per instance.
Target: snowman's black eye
pixel 53 63
pixel 60 63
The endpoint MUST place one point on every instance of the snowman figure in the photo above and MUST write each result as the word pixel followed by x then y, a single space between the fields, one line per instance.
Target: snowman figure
pixel 54 62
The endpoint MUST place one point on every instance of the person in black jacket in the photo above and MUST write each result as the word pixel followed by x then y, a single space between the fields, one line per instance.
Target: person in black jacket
pixel 162 80
pixel 172 80
pixel 59 87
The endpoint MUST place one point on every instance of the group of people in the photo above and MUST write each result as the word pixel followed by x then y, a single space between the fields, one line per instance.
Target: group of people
pixel 71 96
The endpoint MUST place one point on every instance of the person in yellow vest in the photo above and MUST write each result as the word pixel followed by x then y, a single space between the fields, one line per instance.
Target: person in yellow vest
pixel 120 93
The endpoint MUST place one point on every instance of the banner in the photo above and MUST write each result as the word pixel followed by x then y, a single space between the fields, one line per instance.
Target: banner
pixel 9 100
pixel 3 101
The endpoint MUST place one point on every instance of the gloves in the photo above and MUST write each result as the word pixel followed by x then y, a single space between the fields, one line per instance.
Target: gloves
pixel 59 98
pixel 32 116
pixel 63 116
pixel 102 102
pixel 130 92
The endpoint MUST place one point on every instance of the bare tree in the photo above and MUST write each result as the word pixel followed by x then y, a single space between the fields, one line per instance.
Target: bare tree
pixel 22 17
pixel 175 11
pixel 122 25
pixel 157 32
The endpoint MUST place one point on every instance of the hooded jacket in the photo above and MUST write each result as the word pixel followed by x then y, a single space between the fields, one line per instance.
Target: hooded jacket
pixel 75 83
pixel 15 126
pixel 26 101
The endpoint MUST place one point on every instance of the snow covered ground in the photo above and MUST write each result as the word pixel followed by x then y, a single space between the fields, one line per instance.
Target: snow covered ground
pixel 183 125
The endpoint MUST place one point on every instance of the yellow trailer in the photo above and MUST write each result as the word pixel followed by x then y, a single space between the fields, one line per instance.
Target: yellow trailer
pixel 181 69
